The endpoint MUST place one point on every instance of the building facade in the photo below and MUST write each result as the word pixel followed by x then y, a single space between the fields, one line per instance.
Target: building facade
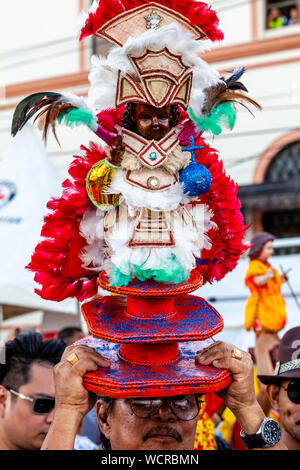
pixel 263 152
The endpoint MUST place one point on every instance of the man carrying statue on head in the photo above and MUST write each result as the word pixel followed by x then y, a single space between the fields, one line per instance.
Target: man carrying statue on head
pixel 151 217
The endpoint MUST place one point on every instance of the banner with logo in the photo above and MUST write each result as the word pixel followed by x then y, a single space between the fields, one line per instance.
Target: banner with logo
pixel 27 181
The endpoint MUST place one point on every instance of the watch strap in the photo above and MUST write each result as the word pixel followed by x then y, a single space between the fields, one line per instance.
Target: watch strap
pixel 253 441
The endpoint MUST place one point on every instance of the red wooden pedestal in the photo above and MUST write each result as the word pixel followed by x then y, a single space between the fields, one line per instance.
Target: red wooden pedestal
pixel 151 332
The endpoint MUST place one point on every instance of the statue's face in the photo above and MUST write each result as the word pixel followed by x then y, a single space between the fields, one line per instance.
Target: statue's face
pixel 267 251
pixel 152 123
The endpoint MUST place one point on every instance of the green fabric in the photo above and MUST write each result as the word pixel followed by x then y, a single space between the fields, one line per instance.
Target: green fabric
pixel 223 115
pixel 277 23
pixel 171 271
pixel 78 116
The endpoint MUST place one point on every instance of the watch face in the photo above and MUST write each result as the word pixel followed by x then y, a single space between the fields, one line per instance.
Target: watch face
pixel 271 432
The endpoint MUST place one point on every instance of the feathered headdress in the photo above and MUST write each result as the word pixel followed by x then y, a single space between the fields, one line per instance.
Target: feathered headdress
pixel 157 60
pixel 196 17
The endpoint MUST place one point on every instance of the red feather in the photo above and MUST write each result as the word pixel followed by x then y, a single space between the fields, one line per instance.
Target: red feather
pixel 198 13
pixel 228 240
pixel 111 119
pixel 56 261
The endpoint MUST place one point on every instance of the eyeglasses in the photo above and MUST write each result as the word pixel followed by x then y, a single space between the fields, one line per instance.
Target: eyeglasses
pixel 293 391
pixel 185 407
pixel 40 406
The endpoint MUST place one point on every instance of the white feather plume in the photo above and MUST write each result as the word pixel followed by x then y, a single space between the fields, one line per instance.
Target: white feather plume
pixel 203 216
pixel 190 239
pixel 91 228
pixel 81 19
pixel 77 101
pixel 104 74
pixel 188 245
pixel 153 200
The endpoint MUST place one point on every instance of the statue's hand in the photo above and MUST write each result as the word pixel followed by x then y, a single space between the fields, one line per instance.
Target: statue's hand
pixel 116 152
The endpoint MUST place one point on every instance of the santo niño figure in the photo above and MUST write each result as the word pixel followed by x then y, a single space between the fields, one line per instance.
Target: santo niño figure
pixel 151 233
pixel 265 308
pixel 155 203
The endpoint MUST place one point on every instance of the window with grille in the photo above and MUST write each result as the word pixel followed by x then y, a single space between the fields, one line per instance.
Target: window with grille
pixel 285 168
pixel 286 165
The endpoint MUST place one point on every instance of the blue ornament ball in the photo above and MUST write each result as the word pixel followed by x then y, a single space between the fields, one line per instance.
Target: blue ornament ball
pixel 196 179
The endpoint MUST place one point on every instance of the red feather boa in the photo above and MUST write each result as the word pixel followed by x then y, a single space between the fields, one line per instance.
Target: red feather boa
pixel 227 240
pixel 198 13
pixel 56 261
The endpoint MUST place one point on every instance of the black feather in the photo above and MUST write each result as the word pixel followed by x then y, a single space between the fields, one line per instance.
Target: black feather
pixel 237 86
pixel 24 111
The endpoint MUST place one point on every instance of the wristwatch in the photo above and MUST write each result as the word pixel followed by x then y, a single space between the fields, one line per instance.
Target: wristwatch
pixel 268 435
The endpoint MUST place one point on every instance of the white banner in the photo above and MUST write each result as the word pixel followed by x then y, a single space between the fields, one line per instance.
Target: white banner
pixel 27 181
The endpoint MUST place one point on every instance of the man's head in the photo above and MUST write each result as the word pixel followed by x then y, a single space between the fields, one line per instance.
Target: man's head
pixel 274 13
pixel 283 387
pixel 149 121
pixel 28 372
pixel 294 14
pixel 285 398
pixel 70 335
pixel 149 423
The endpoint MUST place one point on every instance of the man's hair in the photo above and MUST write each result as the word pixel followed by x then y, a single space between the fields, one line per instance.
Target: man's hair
pixel 68 332
pixel 22 352
pixel 110 404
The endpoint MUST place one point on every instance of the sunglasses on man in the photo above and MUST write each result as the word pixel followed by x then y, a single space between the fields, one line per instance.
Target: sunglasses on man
pixel 40 406
pixel 293 391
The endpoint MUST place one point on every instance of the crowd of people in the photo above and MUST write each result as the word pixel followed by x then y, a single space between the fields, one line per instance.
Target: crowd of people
pixel 44 405
pixel 276 19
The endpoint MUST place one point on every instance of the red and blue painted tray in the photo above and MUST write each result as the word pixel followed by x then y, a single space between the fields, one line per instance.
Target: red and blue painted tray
pixel 192 319
pixel 124 380
pixel 151 332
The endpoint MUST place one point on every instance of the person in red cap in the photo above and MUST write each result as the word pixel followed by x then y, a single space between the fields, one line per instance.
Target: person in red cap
pixel 283 388
pixel 265 308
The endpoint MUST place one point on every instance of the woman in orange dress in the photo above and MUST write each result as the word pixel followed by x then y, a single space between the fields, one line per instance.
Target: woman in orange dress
pixel 265 308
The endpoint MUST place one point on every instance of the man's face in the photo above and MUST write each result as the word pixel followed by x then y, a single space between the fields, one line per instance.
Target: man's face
pixel 162 431
pixel 22 428
pixel 289 411
pixel 152 123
